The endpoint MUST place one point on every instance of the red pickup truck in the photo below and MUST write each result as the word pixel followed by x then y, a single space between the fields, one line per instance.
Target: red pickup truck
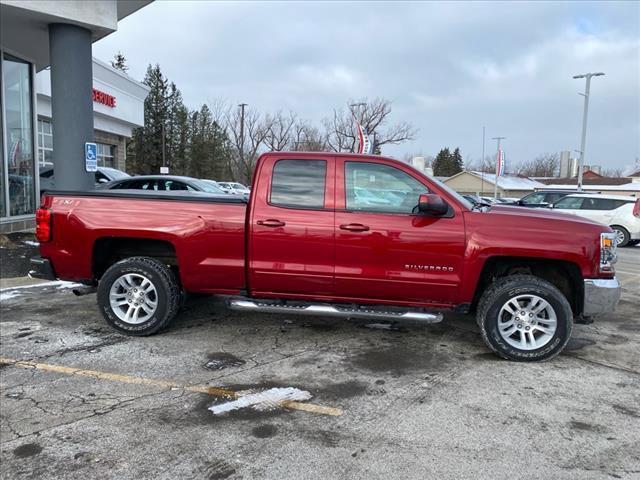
pixel 335 235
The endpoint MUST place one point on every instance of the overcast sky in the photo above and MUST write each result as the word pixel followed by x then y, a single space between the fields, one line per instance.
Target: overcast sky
pixel 449 68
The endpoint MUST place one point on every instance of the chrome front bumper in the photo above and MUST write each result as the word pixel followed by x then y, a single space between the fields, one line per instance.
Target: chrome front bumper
pixel 600 296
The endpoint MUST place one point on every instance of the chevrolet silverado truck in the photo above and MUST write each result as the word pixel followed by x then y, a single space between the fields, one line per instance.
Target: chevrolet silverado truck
pixel 335 235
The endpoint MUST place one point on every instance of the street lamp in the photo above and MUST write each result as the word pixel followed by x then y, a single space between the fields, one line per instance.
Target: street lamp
pixel 584 121
pixel 495 186
pixel 351 107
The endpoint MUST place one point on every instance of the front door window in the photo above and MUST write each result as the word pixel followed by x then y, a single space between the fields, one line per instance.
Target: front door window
pixel 374 187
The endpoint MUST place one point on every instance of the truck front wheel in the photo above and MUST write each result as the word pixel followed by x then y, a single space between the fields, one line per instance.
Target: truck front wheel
pixel 525 318
pixel 138 296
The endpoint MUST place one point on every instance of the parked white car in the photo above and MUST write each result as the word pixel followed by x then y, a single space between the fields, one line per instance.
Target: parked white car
pixel 234 188
pixel 622 214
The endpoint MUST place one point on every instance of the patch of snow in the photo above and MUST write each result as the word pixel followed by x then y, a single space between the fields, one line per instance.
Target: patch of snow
pixel 7 295
pixel 31 243
pixel 510 182
pixel 261 401
pixel 379 326
pixel 12 292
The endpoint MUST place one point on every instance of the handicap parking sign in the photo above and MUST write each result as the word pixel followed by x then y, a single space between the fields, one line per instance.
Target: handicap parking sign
pixel 91 157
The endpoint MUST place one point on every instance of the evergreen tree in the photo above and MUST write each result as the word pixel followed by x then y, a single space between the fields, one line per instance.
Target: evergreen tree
pixel 441 163
pixel 447 164
pixel 145 152
pixel 119 62
pixel 457 164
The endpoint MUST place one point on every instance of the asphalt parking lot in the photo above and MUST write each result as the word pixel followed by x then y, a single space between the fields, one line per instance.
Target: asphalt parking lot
pixel 412 402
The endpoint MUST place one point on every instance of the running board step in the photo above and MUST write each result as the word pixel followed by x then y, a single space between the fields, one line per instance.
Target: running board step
pixel 334 311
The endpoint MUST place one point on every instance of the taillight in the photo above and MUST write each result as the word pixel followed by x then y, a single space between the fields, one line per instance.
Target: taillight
pixel 636 208
pixel 43 225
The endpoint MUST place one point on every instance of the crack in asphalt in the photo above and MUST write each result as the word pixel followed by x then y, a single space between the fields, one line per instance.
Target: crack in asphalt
pixel 618 368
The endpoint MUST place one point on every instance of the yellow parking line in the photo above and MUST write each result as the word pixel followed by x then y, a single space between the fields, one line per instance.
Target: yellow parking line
pixel 116 377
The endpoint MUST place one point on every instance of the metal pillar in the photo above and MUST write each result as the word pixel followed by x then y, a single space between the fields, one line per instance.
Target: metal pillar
pixel 584 122
pixel 71 104
pixel 495 187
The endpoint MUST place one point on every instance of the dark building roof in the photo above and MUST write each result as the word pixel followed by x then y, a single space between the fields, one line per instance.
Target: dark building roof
pixel 594 179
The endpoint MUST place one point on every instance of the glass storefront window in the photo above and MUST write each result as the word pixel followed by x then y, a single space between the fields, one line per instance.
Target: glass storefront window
pixel 45 143
pixel 105 155
pixel 18 115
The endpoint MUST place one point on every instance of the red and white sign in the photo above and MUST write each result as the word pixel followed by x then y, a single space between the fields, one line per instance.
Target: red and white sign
pixel 363 140
pixel 500 165
pixel 104 98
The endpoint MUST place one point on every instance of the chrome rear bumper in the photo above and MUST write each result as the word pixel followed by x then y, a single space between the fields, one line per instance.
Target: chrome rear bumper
pixel 600 295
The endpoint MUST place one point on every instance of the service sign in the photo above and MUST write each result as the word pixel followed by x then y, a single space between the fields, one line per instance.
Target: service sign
pixel 91 157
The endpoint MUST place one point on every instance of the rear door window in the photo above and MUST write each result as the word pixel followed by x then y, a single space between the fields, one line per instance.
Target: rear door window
pixel 569 203
pixel 601 203
pixel 298 183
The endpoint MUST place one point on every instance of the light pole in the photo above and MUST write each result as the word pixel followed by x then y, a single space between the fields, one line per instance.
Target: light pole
pixel 495 185
pixel 242 106
pixel 482 166
pixel 361 104
pixel 584 121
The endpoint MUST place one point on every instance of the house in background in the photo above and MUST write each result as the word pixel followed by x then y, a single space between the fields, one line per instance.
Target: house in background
pixel 478 183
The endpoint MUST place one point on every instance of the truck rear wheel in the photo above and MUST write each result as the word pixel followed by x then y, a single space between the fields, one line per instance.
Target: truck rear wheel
pixel 525 318
pixel 138 296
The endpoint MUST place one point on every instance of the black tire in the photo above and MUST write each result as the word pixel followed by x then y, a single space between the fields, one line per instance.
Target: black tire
pixel 507 288
pixel 625 235
pixel 633 243
pixel 167 289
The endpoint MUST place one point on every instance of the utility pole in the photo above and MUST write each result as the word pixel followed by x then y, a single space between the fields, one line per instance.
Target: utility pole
pixel 482 166
pixel 584 122
pixel 495 186
pixel 164 161
pixel 242 106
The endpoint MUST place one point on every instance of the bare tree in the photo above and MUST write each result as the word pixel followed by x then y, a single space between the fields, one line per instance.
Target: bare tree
pixel 373 115
pixel 486 166
pixel 280 131
pixel 613 173
pixel 545 165
pixel 308 138
pixel 247 141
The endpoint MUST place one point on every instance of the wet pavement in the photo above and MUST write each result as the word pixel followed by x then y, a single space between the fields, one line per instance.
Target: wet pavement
pixel 411 402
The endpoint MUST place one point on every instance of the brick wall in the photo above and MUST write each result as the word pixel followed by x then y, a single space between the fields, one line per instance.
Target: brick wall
pixel 18 225
pixel 120 150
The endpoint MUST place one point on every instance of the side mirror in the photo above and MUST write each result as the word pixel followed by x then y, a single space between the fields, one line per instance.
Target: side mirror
pixel 103 180
pixel 431 204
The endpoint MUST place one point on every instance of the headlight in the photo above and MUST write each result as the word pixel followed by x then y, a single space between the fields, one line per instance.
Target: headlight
pixel 608 252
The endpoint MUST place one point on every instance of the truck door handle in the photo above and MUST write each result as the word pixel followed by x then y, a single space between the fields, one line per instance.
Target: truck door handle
pixel 271 222
pixel 354 227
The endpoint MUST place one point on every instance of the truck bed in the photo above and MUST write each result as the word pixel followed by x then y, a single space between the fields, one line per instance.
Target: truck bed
pixel 205 231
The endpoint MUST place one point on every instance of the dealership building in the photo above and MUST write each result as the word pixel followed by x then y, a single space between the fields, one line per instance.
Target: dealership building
pixel 55 97
pixel 118 108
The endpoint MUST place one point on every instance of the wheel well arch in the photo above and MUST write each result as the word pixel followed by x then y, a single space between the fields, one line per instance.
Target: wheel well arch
pixel 564 275
pixel 108 250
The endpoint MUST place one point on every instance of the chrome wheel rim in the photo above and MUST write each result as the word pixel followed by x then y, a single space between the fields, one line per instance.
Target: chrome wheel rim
pixel 133 298
pixel 527 322
pixel 619 236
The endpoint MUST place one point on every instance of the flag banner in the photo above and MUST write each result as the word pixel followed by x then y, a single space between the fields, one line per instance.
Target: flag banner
pixel 363 141
pixel 500 164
